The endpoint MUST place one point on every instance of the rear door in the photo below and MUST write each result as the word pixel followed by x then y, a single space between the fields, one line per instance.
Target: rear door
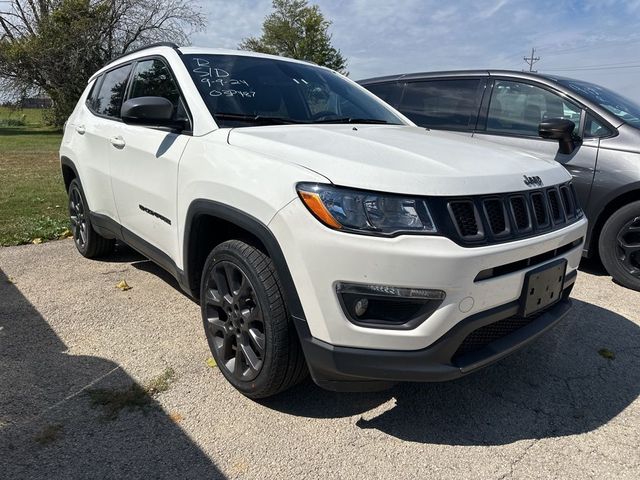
pixel 144 166
pixel 445 103
pixel 100 112
pixel 514 110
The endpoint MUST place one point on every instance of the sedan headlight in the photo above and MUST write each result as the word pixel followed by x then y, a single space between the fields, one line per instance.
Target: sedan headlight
pixel 366 212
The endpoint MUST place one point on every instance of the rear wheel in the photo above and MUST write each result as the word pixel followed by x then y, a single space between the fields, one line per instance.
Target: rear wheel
pixel 246 322
pixel 87 241
pixel 620 245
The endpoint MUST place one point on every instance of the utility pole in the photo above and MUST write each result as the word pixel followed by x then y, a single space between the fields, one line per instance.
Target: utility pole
pixel 531 60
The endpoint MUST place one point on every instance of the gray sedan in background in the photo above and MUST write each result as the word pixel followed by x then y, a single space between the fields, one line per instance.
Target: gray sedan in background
pixel 592 131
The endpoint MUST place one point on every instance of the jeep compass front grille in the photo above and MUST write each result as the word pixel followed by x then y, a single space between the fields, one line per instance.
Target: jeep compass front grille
pixel 481 220
pixel 496 215
pixel 465 217
pixel 540 209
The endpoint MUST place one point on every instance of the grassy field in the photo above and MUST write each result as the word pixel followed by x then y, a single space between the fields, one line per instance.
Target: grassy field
pixel 33 205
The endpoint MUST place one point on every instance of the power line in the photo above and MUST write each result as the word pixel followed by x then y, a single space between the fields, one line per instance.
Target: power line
pixel 531 60
pixel 550 50
pixel 578 69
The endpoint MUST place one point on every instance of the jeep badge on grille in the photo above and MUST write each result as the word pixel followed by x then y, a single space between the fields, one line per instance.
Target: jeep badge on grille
pixel 532 181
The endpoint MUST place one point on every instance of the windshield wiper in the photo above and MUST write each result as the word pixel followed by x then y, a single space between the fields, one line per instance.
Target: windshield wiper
pixel 351 120
pixel 260 119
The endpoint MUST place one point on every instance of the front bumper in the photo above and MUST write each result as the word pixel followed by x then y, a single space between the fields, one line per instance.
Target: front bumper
pixel 319 257
pixel 356 369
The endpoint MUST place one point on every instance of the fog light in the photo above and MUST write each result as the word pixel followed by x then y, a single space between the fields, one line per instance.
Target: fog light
pixel 384 306
pixel 361 307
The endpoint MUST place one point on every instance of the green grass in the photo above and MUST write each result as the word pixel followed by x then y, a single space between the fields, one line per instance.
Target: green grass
pixel 606 353
pixel 136 397
pixel 30 117
pixel 33 203
pixel 49 434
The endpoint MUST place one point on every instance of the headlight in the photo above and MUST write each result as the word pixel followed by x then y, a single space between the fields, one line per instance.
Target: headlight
pixel 366 212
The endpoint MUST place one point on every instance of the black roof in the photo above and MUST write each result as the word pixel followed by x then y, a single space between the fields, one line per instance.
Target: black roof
pixel 460 73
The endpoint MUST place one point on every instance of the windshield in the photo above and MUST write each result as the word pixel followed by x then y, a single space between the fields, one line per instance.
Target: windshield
pixel 623 108
pixel 247 91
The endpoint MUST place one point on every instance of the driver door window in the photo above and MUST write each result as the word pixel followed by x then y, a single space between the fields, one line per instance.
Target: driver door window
pixel 152 78
pixel 518 108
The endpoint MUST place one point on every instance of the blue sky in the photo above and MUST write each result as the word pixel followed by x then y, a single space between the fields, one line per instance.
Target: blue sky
pixel 595 40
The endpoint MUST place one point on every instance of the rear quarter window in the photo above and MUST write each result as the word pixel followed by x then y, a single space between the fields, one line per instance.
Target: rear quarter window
pixel 93 93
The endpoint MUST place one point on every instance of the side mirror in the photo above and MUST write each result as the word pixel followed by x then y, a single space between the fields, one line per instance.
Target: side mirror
pixel 559 129
pixel 151 112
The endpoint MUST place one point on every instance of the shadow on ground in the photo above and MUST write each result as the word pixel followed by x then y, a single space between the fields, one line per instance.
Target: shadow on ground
pixel 125 254
pixel 558 386
pixel 593 266
pixel 50 430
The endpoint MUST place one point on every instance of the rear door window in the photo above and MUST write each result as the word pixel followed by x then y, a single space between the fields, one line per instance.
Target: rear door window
pixel 448 104
pixel 518 108
pixel 112 91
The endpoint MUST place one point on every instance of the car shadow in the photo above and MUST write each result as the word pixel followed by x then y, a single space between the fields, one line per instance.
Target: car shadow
pixel 593 266
pixel 122 253
pixel 125 254
pixel 560 385
pixel 49 427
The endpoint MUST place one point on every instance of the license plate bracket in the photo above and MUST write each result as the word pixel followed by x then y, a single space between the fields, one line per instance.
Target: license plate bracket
pixel 542 287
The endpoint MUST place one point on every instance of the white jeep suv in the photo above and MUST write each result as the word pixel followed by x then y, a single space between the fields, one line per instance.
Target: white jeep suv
pixel 321 230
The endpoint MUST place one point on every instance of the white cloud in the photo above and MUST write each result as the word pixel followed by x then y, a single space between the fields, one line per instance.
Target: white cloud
pixel 493 9
pixel 381 37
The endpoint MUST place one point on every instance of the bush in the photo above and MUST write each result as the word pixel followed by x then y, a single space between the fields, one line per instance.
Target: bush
pixel 13 122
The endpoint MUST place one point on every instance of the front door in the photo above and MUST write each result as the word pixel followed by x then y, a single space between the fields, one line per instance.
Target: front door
pixel 516 109
pixel 144 167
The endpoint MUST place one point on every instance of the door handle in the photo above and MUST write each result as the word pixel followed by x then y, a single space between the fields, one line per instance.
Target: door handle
pixel 117 142
pixel 80 129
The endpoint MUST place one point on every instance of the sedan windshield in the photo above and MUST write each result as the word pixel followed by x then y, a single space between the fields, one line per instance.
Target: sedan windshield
pixel 247 91
pixel 623 108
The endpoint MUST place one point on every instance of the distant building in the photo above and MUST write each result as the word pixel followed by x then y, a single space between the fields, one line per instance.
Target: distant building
pixel 39 101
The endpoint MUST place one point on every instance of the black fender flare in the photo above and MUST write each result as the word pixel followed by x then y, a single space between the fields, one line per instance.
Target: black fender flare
pixel 598 219
pixel 253 226
pixel 67 162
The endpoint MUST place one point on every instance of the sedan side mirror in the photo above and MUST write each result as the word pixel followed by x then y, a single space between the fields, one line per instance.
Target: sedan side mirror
pixel 151 112
pixel 559 129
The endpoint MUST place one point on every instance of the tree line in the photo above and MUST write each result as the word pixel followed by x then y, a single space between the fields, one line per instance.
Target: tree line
pixel 54 46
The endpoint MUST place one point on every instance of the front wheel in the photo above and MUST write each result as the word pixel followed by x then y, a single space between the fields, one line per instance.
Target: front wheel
pixel 245 318
pixel 619 245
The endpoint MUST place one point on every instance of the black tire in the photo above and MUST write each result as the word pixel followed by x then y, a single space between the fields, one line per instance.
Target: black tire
pixel 87 241
pixel 243 309
pixel 619 245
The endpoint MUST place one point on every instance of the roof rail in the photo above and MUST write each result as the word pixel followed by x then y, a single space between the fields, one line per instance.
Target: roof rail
pixel 151 45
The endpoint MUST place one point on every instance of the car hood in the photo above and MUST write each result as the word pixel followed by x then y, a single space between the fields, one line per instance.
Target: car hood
pixel 400 159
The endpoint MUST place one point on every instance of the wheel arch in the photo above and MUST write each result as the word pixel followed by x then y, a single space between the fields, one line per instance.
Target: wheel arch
pixel 69 171
pixel 209 223
pixel 620 198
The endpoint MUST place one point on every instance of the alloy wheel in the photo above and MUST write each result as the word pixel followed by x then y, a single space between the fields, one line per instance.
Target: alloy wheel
pixel 78 218
pixel 234 321
pixel 628 246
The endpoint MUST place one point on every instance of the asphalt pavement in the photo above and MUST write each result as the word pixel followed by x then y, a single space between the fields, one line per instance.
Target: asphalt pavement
pixel 565 407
